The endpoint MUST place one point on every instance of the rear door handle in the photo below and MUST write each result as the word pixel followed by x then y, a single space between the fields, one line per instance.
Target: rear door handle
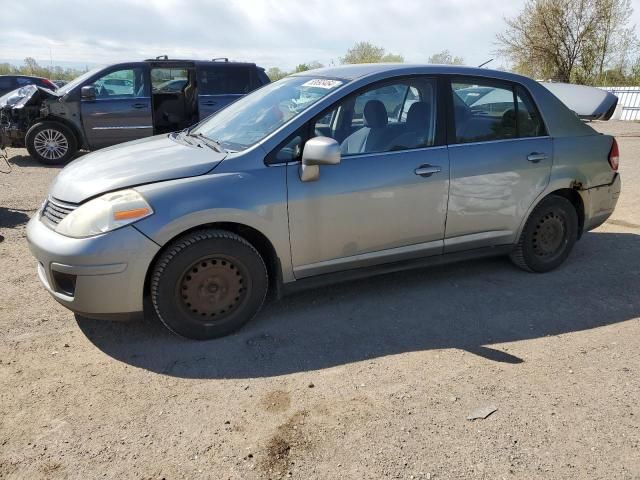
pixel 209 103
pixel 537 157
pixel 139 105
pixel 427 170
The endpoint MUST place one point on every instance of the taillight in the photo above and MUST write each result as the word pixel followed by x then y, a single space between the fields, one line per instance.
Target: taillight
pixel 614 156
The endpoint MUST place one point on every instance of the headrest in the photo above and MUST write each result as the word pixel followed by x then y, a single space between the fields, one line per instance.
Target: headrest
pixel 418 116
pixel 375 114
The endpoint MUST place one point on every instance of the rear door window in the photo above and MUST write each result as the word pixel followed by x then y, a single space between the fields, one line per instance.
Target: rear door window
pixel 225 80
pixel 483 112
pixel 530 122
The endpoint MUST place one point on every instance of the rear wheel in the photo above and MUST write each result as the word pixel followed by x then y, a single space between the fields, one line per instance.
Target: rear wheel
pixel 51 143
pixel 548 236
pixel 208 284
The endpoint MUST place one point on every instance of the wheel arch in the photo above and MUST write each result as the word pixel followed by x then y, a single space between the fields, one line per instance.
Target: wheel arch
pixel 70 125
pixel 568 190
pixel 255 237
pixel 575 198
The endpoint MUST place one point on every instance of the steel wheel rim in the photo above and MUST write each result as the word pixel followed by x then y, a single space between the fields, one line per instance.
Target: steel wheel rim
pixel 213 288
pixel 550 235
pixel 51 144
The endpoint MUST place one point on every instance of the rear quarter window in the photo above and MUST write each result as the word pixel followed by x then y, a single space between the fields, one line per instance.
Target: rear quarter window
pixel 6 83
pixel 225 80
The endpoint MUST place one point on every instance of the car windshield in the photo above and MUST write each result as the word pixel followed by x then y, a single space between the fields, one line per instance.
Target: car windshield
pixel 250 119
pixel 77 81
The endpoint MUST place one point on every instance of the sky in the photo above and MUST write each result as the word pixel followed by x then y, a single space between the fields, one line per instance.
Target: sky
pixel 271 33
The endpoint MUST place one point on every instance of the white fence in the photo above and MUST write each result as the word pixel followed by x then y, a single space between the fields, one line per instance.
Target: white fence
pixel 628 102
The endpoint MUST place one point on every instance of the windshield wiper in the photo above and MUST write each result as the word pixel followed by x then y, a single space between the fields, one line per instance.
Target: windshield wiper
pixel 211 143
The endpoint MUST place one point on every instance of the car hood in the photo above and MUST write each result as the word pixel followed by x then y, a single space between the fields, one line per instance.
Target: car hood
pixel 27 95
pixel 152 159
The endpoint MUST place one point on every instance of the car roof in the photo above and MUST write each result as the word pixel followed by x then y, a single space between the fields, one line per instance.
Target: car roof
pixel 23 76
pixel 217 61
pixel 356 71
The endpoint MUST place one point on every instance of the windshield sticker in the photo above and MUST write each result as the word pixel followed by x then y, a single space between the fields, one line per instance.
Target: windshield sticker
pixel 322 83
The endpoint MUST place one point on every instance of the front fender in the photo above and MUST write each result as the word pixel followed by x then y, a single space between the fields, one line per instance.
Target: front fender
pixel 256 199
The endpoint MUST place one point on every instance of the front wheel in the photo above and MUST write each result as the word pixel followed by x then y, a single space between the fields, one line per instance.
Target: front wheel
pixel 548 236
pixel 51 143
pixel 208 284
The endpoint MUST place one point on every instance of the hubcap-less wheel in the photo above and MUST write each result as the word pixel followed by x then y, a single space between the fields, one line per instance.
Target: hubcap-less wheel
pixel 213 288
pixel 208 283
pixel 549 235
pixel 51 144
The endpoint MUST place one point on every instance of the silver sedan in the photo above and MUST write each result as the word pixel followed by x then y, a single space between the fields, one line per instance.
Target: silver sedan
pixel 320 177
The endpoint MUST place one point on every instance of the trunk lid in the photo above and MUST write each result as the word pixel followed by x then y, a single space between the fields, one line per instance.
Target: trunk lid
pixel 589 103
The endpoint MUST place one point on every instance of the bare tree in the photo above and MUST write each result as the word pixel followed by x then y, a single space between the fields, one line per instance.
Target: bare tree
pixel 615 37
pixel 567 40
pixel 445 58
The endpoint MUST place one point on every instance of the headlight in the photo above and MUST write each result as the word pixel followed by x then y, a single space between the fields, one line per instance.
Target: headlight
pixel 105 213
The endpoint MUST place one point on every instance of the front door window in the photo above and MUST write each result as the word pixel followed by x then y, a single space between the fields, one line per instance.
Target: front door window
pixel 126 83
pixel 396 116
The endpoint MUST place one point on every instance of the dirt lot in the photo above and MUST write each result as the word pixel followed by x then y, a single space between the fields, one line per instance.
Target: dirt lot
pixel 370 379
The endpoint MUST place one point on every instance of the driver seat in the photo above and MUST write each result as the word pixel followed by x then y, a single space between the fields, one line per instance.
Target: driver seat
pixel 373 136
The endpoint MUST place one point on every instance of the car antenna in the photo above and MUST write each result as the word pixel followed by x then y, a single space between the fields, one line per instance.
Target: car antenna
pixel 485 63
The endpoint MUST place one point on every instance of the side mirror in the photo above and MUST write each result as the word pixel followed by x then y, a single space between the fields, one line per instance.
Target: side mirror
pixel 318 151
pixel 88 93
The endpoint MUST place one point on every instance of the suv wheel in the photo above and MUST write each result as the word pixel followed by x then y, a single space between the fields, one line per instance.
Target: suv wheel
pixel 51 143
pixel 208 284
pixel 548 236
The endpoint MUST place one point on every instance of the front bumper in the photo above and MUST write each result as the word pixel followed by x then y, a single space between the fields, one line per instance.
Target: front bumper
pixel 599 203
pixel 98 277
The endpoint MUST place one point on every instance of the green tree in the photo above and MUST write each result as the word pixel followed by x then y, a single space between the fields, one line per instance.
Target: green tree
pixel 303 67
pixel 445 58
pixel 366 52
pixel 274 73
pixel 6 68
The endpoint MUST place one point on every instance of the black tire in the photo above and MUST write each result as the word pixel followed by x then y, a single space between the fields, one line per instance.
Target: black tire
pixel 208 284
pixel 51 143
pixel 548 236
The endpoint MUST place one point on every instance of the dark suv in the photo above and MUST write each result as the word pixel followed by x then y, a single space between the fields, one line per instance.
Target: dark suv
pixel 121 102
pixel 9 83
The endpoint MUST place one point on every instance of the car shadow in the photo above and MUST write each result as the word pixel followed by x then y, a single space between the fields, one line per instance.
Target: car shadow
pixel 467 306
pixel 28 161
pixel 10 218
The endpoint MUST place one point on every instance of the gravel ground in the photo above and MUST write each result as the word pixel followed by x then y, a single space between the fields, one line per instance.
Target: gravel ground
pixel 369 379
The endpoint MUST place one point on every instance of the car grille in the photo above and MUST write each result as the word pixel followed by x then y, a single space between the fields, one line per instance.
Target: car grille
pixel 55 210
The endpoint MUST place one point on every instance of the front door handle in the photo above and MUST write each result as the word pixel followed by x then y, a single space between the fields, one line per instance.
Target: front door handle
pixel 209 103
pixel 139 105
pixel 427 170
pixel 537 157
